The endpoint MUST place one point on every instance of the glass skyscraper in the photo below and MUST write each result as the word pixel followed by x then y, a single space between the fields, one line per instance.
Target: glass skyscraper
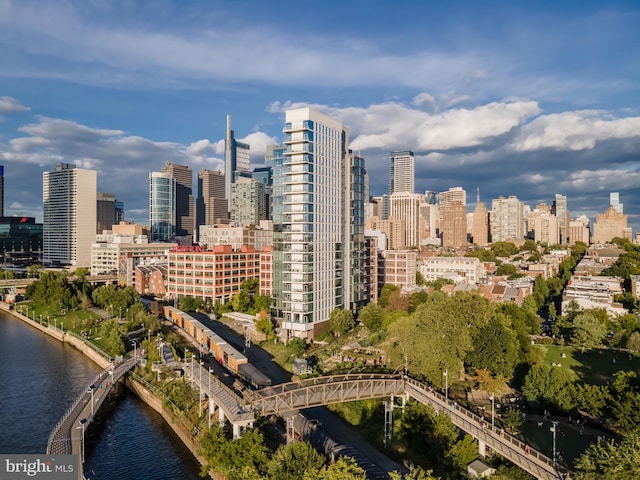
pixel 162 206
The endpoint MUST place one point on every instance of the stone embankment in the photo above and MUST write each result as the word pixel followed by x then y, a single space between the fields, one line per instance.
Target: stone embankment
pixel 136 387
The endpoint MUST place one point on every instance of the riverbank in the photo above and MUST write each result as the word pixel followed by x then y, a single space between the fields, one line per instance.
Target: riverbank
pixel 146 395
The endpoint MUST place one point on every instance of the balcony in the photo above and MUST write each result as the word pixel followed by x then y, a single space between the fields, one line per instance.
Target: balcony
pixel 296 126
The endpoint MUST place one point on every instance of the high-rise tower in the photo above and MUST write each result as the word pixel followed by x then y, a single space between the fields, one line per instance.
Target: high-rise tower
pixel 69 197
pixel 559 209
pixel 312 236
pixel 237 157
pixel 162 206
pixel 211 204
pixel 185 208
pixel 402 172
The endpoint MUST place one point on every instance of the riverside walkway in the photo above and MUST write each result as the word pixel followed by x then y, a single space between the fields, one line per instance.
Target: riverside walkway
pixel 67 437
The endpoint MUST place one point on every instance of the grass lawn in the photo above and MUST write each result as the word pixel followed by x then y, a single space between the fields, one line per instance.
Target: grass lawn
pixel 595 366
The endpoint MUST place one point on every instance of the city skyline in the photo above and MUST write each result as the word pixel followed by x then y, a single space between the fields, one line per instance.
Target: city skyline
pixel 532 102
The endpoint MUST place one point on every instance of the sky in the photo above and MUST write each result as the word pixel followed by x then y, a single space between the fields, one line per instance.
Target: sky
pixel 523 98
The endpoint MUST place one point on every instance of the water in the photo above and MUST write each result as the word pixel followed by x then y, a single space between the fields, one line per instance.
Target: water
pixel 40 378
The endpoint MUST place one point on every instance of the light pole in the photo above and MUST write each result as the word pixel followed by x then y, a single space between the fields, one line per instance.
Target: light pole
pixel 200 387
pixel 135 351
pixel 55 323
pixel 553 429
pixel 446 384
pixel 91 388
pixel 83 423
pixel 209 402
pixel 492 397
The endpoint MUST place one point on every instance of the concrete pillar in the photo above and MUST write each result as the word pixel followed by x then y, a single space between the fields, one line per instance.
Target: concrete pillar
pixel 237 430
pixel 221 416
pixel 212 405
pixel 482 448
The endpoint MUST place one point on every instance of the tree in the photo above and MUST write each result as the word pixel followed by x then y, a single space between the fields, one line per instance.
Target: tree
pixel 512 418
pixel 610 460
pixel 341 321
pixel 506 269
pixel 504 249
pixel 415 473
pixel 588 331
pixel 294 460
pixel 264 324
pixel 463 452
pixel 633 343
pixel 385 293
pixel 495 347
pixel 345 468
pixel 592 399
pixel 548 386
pixel 371 317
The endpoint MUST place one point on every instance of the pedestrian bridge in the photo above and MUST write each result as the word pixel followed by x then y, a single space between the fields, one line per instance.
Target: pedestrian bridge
pixel 67 437
pixel 317 391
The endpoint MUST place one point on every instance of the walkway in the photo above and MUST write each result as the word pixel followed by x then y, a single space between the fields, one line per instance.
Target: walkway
pixel 342 388
pixel 67 436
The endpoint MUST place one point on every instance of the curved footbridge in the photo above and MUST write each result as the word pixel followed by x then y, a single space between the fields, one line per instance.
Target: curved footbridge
pixel 318 391
pixel 67 437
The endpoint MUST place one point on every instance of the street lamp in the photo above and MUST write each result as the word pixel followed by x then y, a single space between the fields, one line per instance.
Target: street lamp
pixel 553 429
pixel 446 384
pixel 209 402
pixel 135 351
pixel 492 398
pixel 200 387
pixel 83 423
pixel 91 389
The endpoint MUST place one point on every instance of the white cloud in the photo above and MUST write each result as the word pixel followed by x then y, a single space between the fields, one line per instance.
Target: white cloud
pixel 9 105
pixel 579 130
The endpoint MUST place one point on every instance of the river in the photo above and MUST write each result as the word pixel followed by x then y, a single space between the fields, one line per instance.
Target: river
pixel 40 378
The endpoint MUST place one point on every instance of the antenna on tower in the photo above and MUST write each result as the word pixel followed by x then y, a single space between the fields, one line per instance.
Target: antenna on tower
pixel 478 195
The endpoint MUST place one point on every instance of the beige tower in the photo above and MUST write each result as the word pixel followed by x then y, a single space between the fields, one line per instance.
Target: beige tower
pixel 480 229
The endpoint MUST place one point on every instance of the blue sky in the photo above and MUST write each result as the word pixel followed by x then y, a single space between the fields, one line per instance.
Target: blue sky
pixel 515 98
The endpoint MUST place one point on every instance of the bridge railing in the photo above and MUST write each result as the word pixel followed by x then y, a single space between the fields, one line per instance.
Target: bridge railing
pixel 316 381
pixel 471 420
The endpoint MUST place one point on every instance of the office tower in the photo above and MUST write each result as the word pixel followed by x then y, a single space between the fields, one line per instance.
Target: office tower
pixel 162 206
pixel 185 208
pixel 20 241
pixel 384 212
pixel 429 223
pixel 263 175
pixel 406 206
pixel 119 206
pixel 609 225
pixel 105 211
pixel 247 201
pixel 614 201
pixel 454 224
pixel 507 219
pixel 211 206
pixel 1 190
pixel 69 197
pixel 454 194
pixel 480 228
pixel 559 209
pixel 310 229
pixel 401 172
pixel 237 157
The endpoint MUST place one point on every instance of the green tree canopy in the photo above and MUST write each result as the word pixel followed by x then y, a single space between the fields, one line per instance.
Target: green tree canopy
pixel 341 321
pixel 610 460
pixel 588 331
pixel 371 316
pixel 495 348
pixel 295 460
pixel 549 387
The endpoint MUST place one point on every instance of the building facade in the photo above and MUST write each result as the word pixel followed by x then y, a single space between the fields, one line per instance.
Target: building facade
pixel 69 196
pixel 214 274
pixel 310 228
pixel 561 212
pixel 212 206
pixel 454 224
pixel 247 201
pixel 20 240
pixel 507 219
pixel 401 172
pixel 480 227
pixel 609 225
pixel 162 206
pixel 254 236
pixel 406 206
pixel 471 268
pixel 400 267
pixel 184 206
pixel 237 157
